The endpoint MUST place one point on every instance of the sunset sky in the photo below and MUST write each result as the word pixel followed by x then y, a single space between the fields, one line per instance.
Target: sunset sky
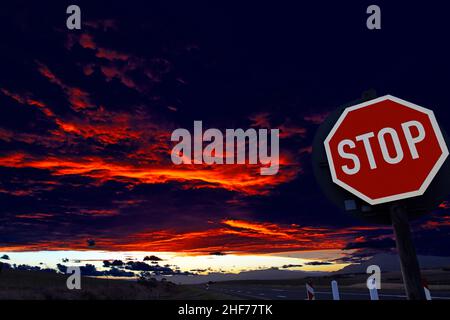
pixel 86 118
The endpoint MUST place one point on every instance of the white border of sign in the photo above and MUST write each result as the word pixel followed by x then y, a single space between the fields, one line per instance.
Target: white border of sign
pixel 405 195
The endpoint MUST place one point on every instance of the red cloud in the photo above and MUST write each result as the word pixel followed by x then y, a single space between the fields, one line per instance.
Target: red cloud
pixel 111 54
pixel 260 120
pixel 105 24
pixel 287 128
pixel 116 64
pixel 112 71
pixel 37 216
pixel 437 221
pixel 445 205
pixel 99 212
pixel 27 100
pixel 78 98
pixel 87 41
pixel 229 236
pixel 99 124
pixel 316 118
pixel 239 178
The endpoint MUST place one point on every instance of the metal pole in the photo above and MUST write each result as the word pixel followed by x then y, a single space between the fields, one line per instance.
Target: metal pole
pixel 407 253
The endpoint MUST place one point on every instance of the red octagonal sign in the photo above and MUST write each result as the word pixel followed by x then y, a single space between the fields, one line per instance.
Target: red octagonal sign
pixel 385 149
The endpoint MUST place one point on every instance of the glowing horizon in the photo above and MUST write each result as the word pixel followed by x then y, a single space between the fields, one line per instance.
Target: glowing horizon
pixel 229 263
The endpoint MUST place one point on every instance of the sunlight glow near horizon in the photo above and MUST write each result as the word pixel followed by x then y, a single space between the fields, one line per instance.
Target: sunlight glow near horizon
pixel 230 263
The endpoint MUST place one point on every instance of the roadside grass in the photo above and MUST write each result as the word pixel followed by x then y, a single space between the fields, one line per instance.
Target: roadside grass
pixel 37 285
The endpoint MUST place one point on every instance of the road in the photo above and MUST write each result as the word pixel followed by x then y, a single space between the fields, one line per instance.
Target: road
pixel 262 292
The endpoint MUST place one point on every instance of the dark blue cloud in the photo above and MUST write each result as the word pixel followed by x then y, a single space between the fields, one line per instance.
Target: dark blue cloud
pixel 209 62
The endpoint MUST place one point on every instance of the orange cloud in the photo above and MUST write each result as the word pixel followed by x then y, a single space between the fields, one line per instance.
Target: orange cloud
pixel 240 178
pixel 229 236
pixel 117 128
pixel 27 100
pixel 264 229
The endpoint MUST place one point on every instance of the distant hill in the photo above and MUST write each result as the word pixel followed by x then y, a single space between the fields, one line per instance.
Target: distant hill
pixel 266 274
pixel 390 262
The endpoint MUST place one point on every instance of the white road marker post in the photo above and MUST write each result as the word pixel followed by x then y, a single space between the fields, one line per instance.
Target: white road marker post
pixel 426 289
pixel 335 289
pixel 373 291
pixel 310 291
pixel 374 281
pixel 427 293
pixel 373 294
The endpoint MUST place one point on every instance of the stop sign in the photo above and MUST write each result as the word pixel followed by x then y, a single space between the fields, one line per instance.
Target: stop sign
pixel 385 149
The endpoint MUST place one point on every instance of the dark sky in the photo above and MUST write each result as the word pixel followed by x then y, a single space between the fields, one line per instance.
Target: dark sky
pixel 86 117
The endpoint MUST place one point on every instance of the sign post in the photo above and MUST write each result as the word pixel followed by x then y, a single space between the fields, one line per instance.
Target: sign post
pixel 385 150
pixel 384 160
pixel 412 278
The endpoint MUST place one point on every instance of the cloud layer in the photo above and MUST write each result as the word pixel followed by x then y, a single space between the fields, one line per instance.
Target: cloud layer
pixel 85 125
